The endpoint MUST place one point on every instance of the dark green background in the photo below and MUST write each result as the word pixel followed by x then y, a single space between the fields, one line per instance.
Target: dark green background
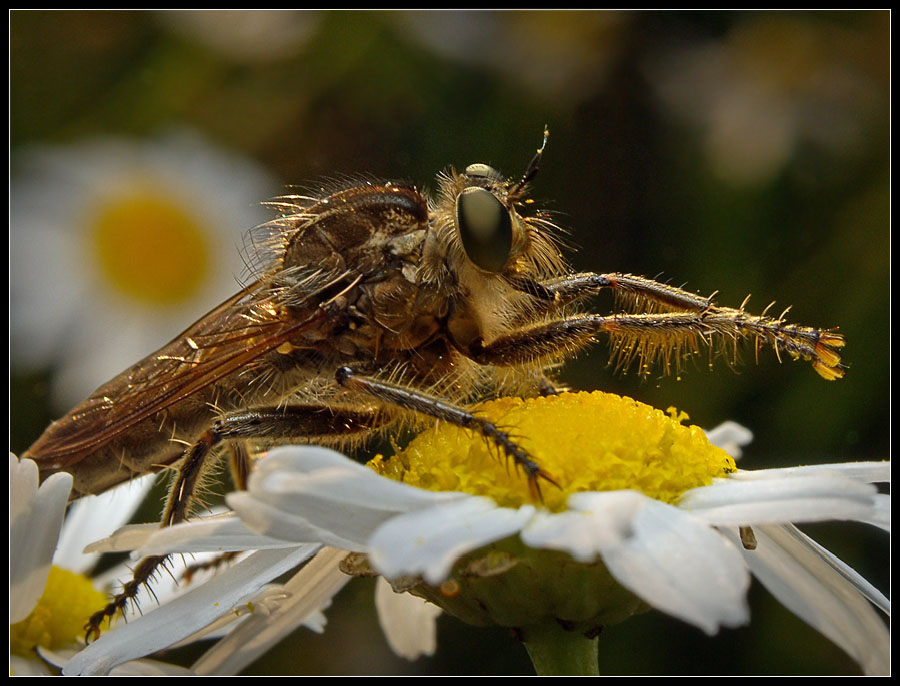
pixel 625 174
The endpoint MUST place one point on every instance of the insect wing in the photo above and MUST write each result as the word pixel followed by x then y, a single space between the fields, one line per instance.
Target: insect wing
pixel 231 336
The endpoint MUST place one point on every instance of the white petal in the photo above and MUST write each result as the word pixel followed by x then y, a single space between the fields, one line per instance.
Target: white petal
pixel 872 472
pixel 264 602
pixel 94 517
pixel 882 512
pixel 673 561
pixel 147 667
pixel 854 578
pixel 199 607
pixel 23 485
pixel 130 537
pixel 28 666
pixel 409 623
pixel 730 437
pixel 214 533
pixel 56 658
pixel 593 522
pixel 791 498
pixel 429 541
pixel 321 472
pixel 220 533
pixel 308 593
pixel 811 586
pixel 134 668
pixel 328 491
pixel 273 522
pixel 36 514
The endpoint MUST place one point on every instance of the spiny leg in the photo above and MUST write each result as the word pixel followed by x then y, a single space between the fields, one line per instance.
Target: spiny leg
pixel 431 406
pixel 640 295
pixel 139 576
pixel 219 560
pixel 553 293
pixel 656 337
pixel 643 294
pixel 300 421
pixel 239 462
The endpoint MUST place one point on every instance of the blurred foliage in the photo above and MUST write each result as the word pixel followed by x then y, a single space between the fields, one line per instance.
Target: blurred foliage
pixel 403 95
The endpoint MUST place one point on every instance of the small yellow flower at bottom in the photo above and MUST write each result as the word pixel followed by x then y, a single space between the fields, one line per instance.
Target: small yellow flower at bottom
pixel 57 619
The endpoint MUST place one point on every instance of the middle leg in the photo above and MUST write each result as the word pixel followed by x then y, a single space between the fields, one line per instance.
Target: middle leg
pixel 431 406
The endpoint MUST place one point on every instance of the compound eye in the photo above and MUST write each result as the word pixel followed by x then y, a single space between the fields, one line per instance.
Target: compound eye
pixel 482 171
pixel 485 228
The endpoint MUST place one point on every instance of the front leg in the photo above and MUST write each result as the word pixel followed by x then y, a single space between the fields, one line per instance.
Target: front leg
pixel 640 293
pixel 665 338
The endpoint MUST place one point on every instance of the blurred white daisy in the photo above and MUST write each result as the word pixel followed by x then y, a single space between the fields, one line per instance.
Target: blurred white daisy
pixel 117 244
pixel 774 84
pixel 35 517
pixel 649 514
pixel 246 35
pixel 566 54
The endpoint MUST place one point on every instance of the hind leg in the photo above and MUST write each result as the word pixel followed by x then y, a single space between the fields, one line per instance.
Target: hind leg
pixel 307 422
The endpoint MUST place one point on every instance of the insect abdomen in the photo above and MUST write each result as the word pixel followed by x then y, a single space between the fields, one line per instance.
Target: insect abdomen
pixel 145 446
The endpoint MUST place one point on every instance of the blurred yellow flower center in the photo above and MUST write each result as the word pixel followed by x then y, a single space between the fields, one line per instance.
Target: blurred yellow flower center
pixel 151 249
pixel 585 441
pixel 58 618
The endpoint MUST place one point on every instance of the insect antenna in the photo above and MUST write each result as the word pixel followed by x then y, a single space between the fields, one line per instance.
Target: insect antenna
pixel 532 169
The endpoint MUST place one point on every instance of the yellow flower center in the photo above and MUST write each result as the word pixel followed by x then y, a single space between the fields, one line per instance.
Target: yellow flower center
pixel 585 441
pixel 58 618
pixel 151 249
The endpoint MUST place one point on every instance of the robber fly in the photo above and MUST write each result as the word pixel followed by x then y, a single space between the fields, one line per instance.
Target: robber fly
pixel 371 304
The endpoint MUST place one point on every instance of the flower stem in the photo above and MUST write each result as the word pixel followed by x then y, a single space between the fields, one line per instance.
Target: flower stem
pixel 555 651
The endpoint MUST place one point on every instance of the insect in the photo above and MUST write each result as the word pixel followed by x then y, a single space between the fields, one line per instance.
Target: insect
pixel 372 304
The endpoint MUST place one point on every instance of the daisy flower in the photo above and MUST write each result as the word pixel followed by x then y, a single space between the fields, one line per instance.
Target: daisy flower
pixel 241 592
pixel 250 36
pixel 51 589
pixel 52 593
pixel 569 54
pixel 649 514
pixel 35 516
pixel 114 242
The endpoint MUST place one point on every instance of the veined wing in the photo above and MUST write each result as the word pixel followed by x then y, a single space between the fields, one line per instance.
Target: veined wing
pixel 231 336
